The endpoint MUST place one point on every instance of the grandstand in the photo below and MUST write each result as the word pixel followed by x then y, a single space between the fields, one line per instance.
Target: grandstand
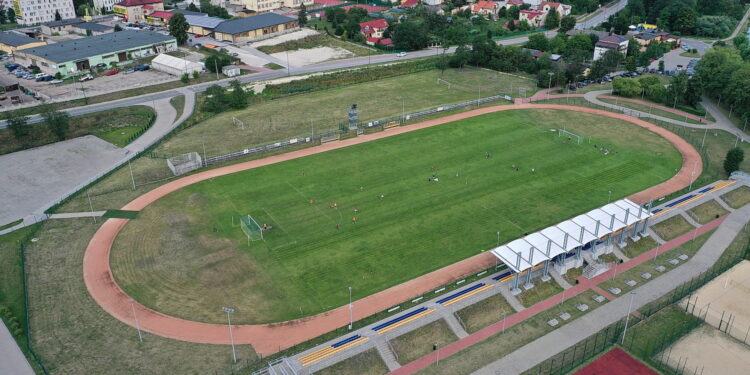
pixel 561 245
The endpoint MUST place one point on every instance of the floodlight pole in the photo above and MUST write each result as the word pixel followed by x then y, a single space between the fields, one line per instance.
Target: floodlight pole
pixel 627 318
pixel 137 324
pixel 692 175
pixel 549 85
pixel 91 206
pixel 350 308
pixel 609 197
pixel 231 335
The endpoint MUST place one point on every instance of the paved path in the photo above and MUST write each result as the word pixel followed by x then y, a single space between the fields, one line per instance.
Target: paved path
pixel 269 338
pixel 739 27
pixel 75 215
pixel 555 342
pixel 12 360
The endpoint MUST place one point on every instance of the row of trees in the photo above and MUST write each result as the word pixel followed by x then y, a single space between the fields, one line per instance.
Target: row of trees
pixel 210 9
pixel 725 76
pixel 682 90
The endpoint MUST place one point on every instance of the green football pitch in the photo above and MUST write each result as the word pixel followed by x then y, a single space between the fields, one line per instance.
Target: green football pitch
pixel 183 256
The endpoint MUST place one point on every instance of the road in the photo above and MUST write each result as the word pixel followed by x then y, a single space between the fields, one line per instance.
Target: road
pixel 601 16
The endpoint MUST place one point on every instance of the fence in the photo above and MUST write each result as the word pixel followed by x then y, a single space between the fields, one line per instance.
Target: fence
pixel 327 136
pixel 594 345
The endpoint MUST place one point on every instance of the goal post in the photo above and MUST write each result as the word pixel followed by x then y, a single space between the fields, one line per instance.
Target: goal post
pixel 238 123
pixel 570 135
pixel 444 82
pixel 250 227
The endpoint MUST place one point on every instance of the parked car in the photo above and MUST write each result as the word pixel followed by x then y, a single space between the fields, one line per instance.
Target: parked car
pixel 85 78
pixel 101 65
pixel 12 67
pixel 56 81
pixel 131 70
pixel 401 54
pixel 111 72
pixel 234 54
pixel 40 75
pixel 143 67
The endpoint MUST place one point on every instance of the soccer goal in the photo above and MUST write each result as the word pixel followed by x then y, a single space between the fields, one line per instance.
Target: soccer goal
pixel 570 135
pixel 250 227
pixel 238 123
pixel 444 82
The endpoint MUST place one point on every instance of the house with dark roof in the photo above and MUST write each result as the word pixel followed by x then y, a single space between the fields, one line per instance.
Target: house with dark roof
pixel 90 28
pixel 60 26
pixel 200 25
pixel 80 55
pixel 136 10
pixel 251 28
pixel 10 41
pixel 611 42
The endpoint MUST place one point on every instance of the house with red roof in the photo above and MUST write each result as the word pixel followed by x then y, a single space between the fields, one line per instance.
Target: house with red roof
pixel 136 10
pixel 533 17
pixel 488 9
pixel 374 28
pixel 511 3
pixel 159 17
pixel 562 9
pixel 409 3
pixel 387 42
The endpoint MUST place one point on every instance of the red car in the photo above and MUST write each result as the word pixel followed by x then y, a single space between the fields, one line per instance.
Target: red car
pixel 112 72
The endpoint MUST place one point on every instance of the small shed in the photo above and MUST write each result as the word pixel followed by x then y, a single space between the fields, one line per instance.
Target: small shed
pixel 175 65
pixel 231 70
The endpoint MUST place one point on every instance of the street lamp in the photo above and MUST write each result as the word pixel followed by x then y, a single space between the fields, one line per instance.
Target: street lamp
pixel 137 324
pixel 498 239
pixel 549 85
pixel 609 197
pixel 231 335
pixel 627 318
pixel 350 308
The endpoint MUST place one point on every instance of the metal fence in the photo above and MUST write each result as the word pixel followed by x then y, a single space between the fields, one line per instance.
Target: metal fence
pixel 343 129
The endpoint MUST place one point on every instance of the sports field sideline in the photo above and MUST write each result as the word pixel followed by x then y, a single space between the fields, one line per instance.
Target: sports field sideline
pixel 305 264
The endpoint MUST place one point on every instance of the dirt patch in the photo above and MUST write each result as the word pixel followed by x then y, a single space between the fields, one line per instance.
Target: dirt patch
pixel 313 55
pixel 708 351
pixel 303 33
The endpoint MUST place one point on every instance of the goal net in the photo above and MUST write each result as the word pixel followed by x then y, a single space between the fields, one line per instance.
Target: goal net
pixel 250 227
pixel 238 123
pixel 444 82
pixel 570 135
pixel 184 163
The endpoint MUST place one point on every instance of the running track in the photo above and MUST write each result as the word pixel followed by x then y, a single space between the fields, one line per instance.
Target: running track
pixel 267 339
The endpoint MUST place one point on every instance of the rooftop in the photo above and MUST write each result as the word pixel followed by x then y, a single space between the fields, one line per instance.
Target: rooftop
pixel 133 3
pixel 205 22
pixel 84 48
pixel 69 21
pixel 252 23
pixel 15 40
pixel 161 14
pixel 532 13
pixel 189 12
pixel 94 26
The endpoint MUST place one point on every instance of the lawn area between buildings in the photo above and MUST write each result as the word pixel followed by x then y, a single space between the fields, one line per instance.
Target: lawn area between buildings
pixel 738 197
pixel 634 249
pixel 485 312
pixel 707 212
pixel 366 363
pixel 117 126
pixel 385 247
pixel 672 228
pixel 541 291
pixel 420 342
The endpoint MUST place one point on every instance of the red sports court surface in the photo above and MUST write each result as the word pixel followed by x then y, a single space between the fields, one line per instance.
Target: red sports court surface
pixel 616 362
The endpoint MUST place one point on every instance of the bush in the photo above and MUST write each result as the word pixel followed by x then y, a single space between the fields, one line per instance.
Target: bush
pixel 626 87
pixel 196 74
pixel 733 160
pixel 185 78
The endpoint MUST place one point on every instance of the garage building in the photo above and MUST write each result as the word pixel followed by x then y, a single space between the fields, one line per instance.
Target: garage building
pixel 175 65
pixel 80 55
pixel 246 29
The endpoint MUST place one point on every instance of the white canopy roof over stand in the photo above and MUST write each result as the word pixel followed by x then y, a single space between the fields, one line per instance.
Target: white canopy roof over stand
pixel 527 252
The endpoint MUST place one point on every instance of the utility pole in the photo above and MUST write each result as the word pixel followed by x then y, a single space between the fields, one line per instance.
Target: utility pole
pixel 137 324
pixel 231 335
pixel 627 317
pixel 350 308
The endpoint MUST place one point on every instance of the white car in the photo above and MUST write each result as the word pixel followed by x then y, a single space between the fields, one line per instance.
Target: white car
pixel 401 54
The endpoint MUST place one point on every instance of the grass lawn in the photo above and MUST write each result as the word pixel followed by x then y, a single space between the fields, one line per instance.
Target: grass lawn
pixel 419 342
pixel 273 66
pixel 72 333
pixel 694 55
pixel 366 363
pixel 573 274
pixel 501 344
pixel 394 238
pixel 11 224
pixel 738 197
pixel 648 109
pixel 325 110
pixel 672 228
pixel 707 212
pixel 178 102
pixel 115 126
pixel 667 324
pixel 689 248
pixel 541 291
pixel 634 249
pixel 608 258
pixel 485 312
pixel 320 40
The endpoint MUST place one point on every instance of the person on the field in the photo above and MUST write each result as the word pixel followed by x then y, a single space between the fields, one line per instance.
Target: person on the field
pixel 354 220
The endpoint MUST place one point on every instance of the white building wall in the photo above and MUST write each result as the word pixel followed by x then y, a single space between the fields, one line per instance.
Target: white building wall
pixel 40 11
pixel 107 4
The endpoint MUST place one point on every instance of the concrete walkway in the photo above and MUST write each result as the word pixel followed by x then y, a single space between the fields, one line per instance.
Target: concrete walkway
pixel 76 215
pixel 12 360
pixel 555 342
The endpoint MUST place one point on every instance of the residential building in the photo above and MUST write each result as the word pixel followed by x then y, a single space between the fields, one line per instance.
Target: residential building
pixel 374 28
pixel 104 4
pixel 433 2
pixel 409 3
pixel 562 9
pixel 488 9
pixel 159 17
pixel 10 41
pixel 644 39
pixel 533 17
pixel 262 6
pixel 31 12
pixel 80 55
pixel 250 28
pixel 611 42
pixel 136 10
pixel 511 3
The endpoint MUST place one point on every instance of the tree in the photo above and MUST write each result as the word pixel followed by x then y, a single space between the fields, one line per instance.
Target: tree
pixel 3 19
pixel 18 125
pixel 502 13
pixel 302 15
pixel 118 28
pixel 11 15
pixel 178 28
pixel 196 74
pixel 511 25
pixel 693 92
pixel 524 26
pixel 58 17
pixel 215 99
pixel 552 20
pixel 185 78
pixel 238 97
pixel 733 160
pixel 686 21
pixel 513 12
pixel 567 23
pixel 661 66
pixel 538 42
pixel 216 61
pixel 409 36
pixel 57 122
pixel 740 41
pixel 191 7
pixel 626 87
pixel 630 64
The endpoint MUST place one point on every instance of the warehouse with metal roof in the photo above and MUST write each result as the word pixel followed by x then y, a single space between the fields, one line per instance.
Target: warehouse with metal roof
pixel 10 42
pixel 202 25
pixel 561 245
pixel 80 55
pixel 251 28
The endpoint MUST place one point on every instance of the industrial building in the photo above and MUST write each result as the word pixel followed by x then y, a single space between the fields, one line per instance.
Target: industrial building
pixel 10 42
pixel 80 55
pixel 250 28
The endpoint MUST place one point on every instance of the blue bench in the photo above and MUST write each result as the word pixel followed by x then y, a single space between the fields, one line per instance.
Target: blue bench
pixel 502 275
pixel 400 318
pixel 706 189
pixel 680 200
pixel 345 341
pixel 459 294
